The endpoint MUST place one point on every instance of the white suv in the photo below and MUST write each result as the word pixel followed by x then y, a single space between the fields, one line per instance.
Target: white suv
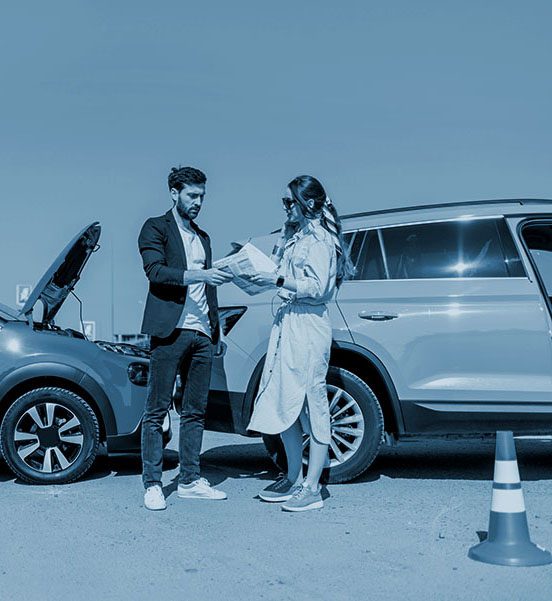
pixel 446 329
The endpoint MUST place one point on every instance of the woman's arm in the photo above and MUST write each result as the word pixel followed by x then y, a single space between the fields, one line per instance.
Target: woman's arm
pixel 313 281
pixel 265 278
pixel 316 272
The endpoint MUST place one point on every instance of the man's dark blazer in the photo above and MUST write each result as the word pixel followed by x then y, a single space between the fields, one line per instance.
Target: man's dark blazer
pixel 164 262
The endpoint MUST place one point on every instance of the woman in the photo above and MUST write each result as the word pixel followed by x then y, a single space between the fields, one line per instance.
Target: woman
pixel 292 395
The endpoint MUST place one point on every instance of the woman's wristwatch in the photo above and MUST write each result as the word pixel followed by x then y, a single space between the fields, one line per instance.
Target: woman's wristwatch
pixel 280 281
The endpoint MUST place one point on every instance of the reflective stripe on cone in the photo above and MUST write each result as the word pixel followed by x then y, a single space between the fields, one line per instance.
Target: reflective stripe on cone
pixel 507 501
pixel 506 472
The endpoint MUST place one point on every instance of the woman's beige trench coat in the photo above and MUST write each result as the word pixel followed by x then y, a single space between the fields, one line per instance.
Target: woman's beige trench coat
pixel 300 340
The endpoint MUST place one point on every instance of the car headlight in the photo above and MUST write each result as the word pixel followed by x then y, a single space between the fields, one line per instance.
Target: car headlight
pixel 130 350
pixel 138 373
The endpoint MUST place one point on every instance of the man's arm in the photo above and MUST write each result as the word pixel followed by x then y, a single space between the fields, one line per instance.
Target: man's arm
pixel 150 243
pixel 194 276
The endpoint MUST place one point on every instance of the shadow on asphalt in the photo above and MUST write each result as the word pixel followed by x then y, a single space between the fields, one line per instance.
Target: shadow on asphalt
pixel 428 460
pixel 457 460
pixel 126 464
pixel 5 473
pixel 217 464
pixel 236 461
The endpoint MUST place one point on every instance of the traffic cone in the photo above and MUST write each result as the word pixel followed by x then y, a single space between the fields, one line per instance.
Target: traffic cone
pixel 508 542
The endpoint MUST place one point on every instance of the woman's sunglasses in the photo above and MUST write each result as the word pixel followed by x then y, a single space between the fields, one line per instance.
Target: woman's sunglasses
pixel 288 202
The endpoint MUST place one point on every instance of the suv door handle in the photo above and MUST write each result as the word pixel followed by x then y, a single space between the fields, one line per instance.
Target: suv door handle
pixel 377 315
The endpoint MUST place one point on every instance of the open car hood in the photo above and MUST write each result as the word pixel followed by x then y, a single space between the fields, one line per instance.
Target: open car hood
pixel 60 279
pixel 8 312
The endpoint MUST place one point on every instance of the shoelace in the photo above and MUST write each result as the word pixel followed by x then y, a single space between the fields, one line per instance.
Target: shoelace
pixel 281 483
pixel 204 481
pixel 300 492
pixel 281 478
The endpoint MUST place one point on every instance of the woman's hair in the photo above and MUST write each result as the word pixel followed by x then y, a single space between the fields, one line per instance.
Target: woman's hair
pixel 304 188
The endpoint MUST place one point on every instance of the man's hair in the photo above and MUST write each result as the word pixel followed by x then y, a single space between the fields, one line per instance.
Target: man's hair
pixel 185 176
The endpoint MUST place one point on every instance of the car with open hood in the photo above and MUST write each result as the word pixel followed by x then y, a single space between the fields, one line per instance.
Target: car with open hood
pixel 445 330
pixel 61 395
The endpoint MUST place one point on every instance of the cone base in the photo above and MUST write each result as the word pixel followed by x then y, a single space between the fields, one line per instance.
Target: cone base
pixel 520 554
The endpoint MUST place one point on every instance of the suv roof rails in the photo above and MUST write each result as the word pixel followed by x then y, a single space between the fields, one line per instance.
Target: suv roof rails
pixel 465 203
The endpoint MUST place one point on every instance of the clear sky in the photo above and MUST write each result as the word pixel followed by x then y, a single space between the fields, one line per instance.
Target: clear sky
pixel 388 103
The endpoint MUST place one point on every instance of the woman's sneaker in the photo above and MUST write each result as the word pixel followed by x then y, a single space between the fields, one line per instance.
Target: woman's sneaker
pixel 304 499
pixel 200 489
pixel 278 491
pixel 154 499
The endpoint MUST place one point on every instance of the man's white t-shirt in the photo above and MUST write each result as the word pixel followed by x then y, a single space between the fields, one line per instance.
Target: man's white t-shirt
pixel 195 314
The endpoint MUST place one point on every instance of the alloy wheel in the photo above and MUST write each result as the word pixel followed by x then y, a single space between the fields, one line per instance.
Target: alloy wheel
pixel 48 437
pixel 347 427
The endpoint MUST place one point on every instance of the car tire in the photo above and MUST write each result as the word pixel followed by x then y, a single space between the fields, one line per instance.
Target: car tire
pixel 49 436
pixel 366 437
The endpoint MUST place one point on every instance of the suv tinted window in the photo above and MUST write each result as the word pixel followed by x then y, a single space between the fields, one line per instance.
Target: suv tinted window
pixel 538 238
pixel 451 249
pixel 366 255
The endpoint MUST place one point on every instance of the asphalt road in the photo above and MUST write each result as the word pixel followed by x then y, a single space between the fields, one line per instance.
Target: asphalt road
pixel 401 532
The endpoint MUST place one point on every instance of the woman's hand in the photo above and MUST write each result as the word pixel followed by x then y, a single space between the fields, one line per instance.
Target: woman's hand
pixel 289 228
pixel 263 278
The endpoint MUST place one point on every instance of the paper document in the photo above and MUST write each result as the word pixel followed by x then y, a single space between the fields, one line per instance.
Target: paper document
pixel 249 260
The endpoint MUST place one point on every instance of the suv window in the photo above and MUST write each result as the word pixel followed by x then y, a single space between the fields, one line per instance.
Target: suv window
pixel 366 255
pixel 451 249
pixel 538 238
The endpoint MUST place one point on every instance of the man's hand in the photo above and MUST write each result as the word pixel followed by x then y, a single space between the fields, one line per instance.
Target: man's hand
pixel 220 348
pixel 216 277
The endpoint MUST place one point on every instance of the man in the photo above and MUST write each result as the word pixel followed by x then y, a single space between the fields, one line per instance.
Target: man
pixel 181 315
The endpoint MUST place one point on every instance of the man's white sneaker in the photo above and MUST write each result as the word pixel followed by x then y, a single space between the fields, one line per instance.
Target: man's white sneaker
pixel 200 489
pixel 154 499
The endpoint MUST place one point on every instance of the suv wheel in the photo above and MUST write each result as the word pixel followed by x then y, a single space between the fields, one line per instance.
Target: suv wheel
pixel 357 428
pixel 49 436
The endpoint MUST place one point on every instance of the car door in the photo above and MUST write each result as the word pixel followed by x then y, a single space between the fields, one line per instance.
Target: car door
pixel 463 332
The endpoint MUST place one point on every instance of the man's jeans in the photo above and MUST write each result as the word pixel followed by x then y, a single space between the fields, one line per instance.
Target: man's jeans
pixel 191 353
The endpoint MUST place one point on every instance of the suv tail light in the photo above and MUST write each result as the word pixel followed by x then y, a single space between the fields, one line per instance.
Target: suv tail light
pixel 229 317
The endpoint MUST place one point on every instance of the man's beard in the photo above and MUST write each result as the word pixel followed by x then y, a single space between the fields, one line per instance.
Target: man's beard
pixel 187 215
